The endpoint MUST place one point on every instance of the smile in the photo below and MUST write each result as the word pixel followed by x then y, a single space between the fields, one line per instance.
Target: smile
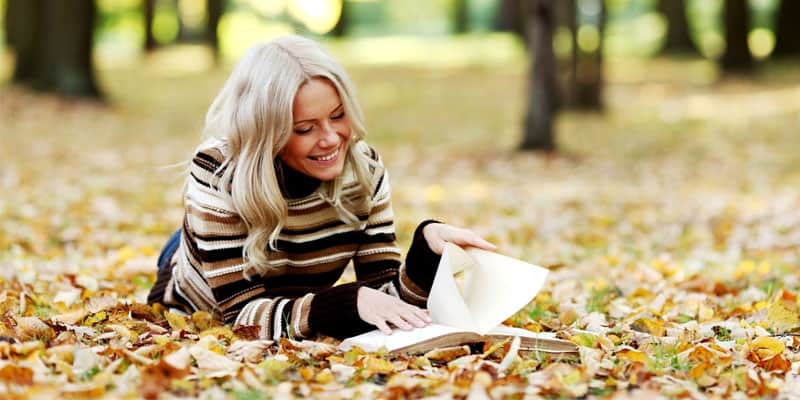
pixel 327 157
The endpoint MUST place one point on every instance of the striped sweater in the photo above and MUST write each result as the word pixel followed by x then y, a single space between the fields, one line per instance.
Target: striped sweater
pixel 298 298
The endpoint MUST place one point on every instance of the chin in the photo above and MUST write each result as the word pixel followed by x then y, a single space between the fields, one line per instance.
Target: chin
pixel 329 174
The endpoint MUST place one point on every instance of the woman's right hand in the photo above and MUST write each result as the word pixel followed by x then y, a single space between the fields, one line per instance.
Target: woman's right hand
pixel 379 309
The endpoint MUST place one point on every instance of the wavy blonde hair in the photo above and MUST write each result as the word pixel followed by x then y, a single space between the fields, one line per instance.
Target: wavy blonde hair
pixel 252 116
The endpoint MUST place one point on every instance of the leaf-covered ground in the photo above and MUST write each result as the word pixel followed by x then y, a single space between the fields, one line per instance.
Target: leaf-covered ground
pixel 671 224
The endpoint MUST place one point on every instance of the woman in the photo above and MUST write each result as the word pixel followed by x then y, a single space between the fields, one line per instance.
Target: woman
pixel 282 196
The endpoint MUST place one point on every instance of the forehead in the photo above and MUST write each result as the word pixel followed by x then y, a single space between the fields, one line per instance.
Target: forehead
pixel 314 99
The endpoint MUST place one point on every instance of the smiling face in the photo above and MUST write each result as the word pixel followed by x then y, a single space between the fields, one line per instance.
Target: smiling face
pixel 318 145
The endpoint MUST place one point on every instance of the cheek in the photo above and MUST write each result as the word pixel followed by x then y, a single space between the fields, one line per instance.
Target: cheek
pixel 298 147
pixel 345 129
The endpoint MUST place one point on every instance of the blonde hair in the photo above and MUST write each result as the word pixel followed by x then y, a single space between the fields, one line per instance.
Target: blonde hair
pixel 252 116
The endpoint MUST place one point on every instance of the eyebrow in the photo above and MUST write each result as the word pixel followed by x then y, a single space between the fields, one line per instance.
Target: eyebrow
pixel 306 120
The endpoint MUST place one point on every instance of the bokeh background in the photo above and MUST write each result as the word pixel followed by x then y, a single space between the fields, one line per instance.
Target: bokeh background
pixel 631 101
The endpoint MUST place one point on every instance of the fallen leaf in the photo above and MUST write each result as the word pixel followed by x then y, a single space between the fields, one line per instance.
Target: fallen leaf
pixel 213 364
pixel 447 354
pixel 16 375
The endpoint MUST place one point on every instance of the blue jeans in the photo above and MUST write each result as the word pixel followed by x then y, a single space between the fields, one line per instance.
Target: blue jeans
pixel 169 249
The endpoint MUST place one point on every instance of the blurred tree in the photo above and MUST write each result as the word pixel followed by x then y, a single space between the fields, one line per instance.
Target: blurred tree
pixel 737 57
pixel 190 26
pixel 460 16
pixel 53 41
pixel 567 17
pixel 510 17
pixel 214 11
pixel 21 34
pixel 343 24
pixel 149 12
pixel 787 29
pixel 678 40
pixel 582 76
pixel 542 85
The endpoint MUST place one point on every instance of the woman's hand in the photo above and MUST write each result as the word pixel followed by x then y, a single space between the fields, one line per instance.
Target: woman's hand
pixel 378 308
pixel 437 234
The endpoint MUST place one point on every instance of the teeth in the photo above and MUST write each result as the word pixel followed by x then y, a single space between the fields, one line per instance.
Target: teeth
pixel 328 157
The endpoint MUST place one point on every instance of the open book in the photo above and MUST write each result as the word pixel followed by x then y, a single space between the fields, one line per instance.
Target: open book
pixel 473 292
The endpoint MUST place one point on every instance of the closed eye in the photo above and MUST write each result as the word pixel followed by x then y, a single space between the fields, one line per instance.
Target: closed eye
pixel 340 115
pixel 303 131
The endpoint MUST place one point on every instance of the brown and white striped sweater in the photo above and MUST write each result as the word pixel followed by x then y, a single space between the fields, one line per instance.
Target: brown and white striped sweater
pixel 297 298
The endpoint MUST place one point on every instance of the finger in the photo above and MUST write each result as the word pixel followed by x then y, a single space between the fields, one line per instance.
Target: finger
pixel 480 242
pixel 437 245
pixel 469 238
pixel 424 315
pixel 414 319
pixel 399 322
pixel 381 324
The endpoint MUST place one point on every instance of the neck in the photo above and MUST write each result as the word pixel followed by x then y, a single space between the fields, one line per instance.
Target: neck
pixel 294 184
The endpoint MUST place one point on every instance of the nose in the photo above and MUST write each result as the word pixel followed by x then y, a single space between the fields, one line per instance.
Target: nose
pixel 329 136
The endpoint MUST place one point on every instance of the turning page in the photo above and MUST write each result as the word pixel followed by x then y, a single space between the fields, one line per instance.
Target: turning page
pixel 494 287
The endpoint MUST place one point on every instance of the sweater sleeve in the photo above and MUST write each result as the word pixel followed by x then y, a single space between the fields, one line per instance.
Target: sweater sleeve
pixel 213 277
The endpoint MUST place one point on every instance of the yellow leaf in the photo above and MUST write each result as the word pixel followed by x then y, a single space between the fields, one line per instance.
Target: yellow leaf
pixel 648 325
pixel 274 367
pixel 746 267
pixel 324 376
pixel 377 365
pixel 632 355
pixel 307 374
pixel 764 268
pixel 704 313
pixel 218 332
pixel 175 320
pixel 95 318
pixel 434 194
pixel 764 348
pixel 760 305
pixel 126 253
pixel 202 320
pixel 782 316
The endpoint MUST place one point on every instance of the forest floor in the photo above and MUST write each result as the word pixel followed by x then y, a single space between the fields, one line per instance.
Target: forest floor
pixel 670 223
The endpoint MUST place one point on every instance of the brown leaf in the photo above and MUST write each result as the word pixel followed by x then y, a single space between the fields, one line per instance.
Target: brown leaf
pixel 32 328
pixel 16 374
pixel 247 332
pixel 447 354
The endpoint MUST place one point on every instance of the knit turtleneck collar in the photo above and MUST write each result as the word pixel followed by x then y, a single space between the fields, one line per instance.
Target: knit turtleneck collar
pixel 294 184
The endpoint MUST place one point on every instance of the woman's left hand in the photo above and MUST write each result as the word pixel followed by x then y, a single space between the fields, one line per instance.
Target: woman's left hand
pixel 437 234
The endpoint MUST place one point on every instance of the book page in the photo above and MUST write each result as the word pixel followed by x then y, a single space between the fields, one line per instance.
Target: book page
pixel 499 287
pixel 446 303
pixel 374 340
pixel 495 287
pixel 512 331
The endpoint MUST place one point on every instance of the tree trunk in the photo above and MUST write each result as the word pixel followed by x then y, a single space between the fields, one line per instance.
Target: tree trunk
pixel 510 17
pixel 149 11
pixel 343 24
pixel 678 40
pixel 188 33
pixel 64 49
pixel 787 29
pixel 543 87
pixel 737 57
pixel 460 16
pixel 589 69
pixel 22 35
pixel 567 17
pixel 214 10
